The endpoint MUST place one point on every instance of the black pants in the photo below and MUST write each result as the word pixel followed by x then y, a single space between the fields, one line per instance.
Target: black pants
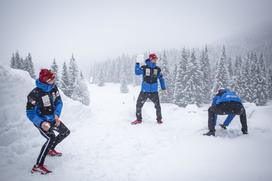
pixel 154 97
pixel 52 140
pixel 224 108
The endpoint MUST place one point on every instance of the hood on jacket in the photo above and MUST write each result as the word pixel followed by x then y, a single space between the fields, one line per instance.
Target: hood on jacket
pixel 43 86
pixel 226 90
pixel 222 91
pixel 150 64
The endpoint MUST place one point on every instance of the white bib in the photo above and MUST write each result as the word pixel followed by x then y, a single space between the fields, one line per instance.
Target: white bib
pixel 46 101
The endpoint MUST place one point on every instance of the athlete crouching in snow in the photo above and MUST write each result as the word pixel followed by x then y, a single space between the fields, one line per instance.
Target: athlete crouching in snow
pixel 43 108
pixel 151 73
pixel 226 102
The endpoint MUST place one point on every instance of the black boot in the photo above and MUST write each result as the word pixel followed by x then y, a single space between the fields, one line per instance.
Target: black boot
pixel 244 131
pixel 159 121
pixel 210 133
pixel 223 126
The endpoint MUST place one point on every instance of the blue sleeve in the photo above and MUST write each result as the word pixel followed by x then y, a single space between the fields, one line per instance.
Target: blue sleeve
pixel 162 82
pixel 214 100
pixel 34 117
pixel 58 106
pixel 229 119
pixel 138 69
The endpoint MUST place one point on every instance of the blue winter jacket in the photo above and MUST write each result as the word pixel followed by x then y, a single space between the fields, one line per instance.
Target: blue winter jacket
pixel 226 96
pixel 33 111
pixel 150 87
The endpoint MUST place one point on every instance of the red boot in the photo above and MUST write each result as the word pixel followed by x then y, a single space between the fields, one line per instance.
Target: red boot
pixel 136 122
pixel 40 168
pixel 54 153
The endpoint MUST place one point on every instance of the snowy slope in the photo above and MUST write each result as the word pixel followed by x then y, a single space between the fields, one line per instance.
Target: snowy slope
pixel 104 146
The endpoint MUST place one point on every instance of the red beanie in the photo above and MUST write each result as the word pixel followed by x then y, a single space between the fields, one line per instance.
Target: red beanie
pixel 46 75
pixel 153 56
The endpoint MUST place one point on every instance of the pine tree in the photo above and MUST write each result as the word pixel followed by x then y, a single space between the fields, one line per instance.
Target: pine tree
pixel 174 77
pixel 237 66
pixel 230 71
pixel 13 62
pixel 73 75
pixel 23 64
pixel 81 92
pixel 258 83
pixel 230 68
pixel 244 79
pixel 18 61
pixel 237 73
pixel 205 67
pixel 55 69
pixel 193 83
pixel 116 74
pixel 130 70
pixel 123 80
pixel 167 95
pixel 101 81
pixel 65 81
pixel 262 65
pixel 174 74
pixel 29 66
pixel 179 83
pixel 269 84
pixel 221 75
pixel 264 74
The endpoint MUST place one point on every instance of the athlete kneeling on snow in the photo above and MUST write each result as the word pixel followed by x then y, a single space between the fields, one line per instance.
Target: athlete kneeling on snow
pixel 226 102
pixel 151 73
pixel 43 108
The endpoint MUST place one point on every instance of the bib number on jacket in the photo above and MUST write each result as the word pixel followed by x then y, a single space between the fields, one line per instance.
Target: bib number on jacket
pixel 46 101
pixel 147 72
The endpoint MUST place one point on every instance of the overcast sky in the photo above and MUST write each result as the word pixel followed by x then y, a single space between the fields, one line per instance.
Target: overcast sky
pixel 100 29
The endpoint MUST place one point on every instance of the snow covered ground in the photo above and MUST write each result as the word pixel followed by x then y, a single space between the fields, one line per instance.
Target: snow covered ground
pixel 103 146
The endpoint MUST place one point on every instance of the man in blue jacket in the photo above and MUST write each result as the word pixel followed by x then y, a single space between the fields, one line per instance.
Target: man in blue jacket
pixel 226 102
pixel 151 73
pixel 43 108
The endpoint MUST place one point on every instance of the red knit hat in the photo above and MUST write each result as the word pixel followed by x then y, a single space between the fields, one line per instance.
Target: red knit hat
pixel 46 75
pixel 152 56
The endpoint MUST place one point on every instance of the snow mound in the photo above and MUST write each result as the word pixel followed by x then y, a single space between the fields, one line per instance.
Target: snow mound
pixel 14 87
